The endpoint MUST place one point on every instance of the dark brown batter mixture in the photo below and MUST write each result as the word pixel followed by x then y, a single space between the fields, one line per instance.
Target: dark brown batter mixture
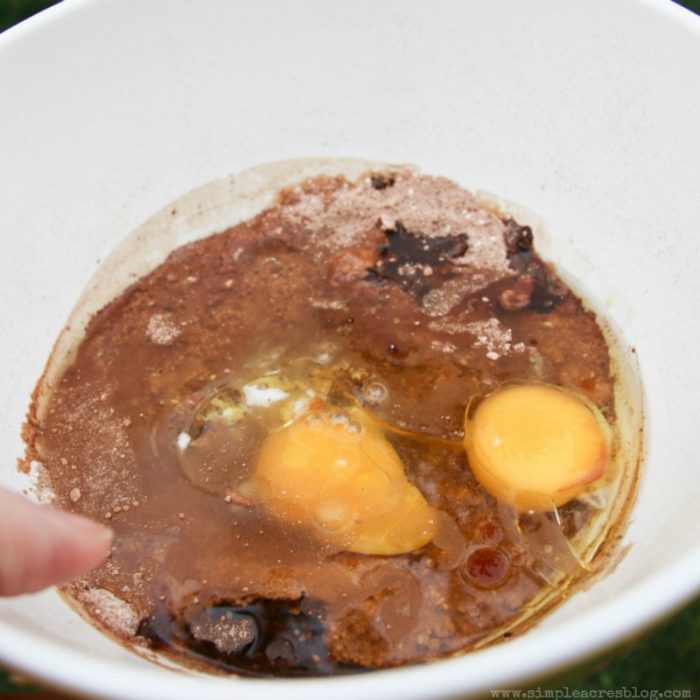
pixel 399 294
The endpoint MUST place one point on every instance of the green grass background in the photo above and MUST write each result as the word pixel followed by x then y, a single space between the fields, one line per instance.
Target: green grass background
pixel 667 658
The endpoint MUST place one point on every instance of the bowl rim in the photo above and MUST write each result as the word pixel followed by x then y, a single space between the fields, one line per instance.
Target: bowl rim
pixel 65 668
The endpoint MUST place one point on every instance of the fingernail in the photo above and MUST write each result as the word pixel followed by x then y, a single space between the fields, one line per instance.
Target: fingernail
pixel 105 533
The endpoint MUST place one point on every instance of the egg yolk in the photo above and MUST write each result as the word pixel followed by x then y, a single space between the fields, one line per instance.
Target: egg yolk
pixel 535 446
pixel 334 472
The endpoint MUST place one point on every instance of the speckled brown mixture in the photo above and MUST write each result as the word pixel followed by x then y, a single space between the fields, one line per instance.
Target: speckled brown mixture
pixel 413 298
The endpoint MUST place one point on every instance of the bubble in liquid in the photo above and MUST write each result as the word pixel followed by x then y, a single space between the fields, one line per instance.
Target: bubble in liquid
pixel 487 567
pixel 313 419
pixel 281 649
pixel 332 514
pixel 353 428
pixel 375 393
pixel 339 419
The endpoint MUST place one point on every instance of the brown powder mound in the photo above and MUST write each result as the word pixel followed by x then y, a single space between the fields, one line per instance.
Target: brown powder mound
pixel 337 217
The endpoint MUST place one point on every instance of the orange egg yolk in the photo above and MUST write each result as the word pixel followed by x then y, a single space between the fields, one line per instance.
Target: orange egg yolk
pixel 535 446
pixel 333 472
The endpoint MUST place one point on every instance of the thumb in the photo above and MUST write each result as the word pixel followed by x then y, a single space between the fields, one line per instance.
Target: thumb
pixel 41 546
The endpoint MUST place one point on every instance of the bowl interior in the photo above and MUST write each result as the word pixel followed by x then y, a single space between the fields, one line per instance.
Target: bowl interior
pixel 585 114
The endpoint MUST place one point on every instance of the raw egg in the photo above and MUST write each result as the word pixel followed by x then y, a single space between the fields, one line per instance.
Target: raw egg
pixel 333 471
pixel 536 446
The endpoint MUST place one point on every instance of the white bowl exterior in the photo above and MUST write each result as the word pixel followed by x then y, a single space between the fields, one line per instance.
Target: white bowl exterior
pixel 587 113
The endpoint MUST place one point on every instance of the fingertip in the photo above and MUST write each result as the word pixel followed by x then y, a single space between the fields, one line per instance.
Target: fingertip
pixel 41 546
pixel 80 545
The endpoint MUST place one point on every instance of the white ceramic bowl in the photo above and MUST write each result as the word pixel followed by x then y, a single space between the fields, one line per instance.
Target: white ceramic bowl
pixel 586 113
